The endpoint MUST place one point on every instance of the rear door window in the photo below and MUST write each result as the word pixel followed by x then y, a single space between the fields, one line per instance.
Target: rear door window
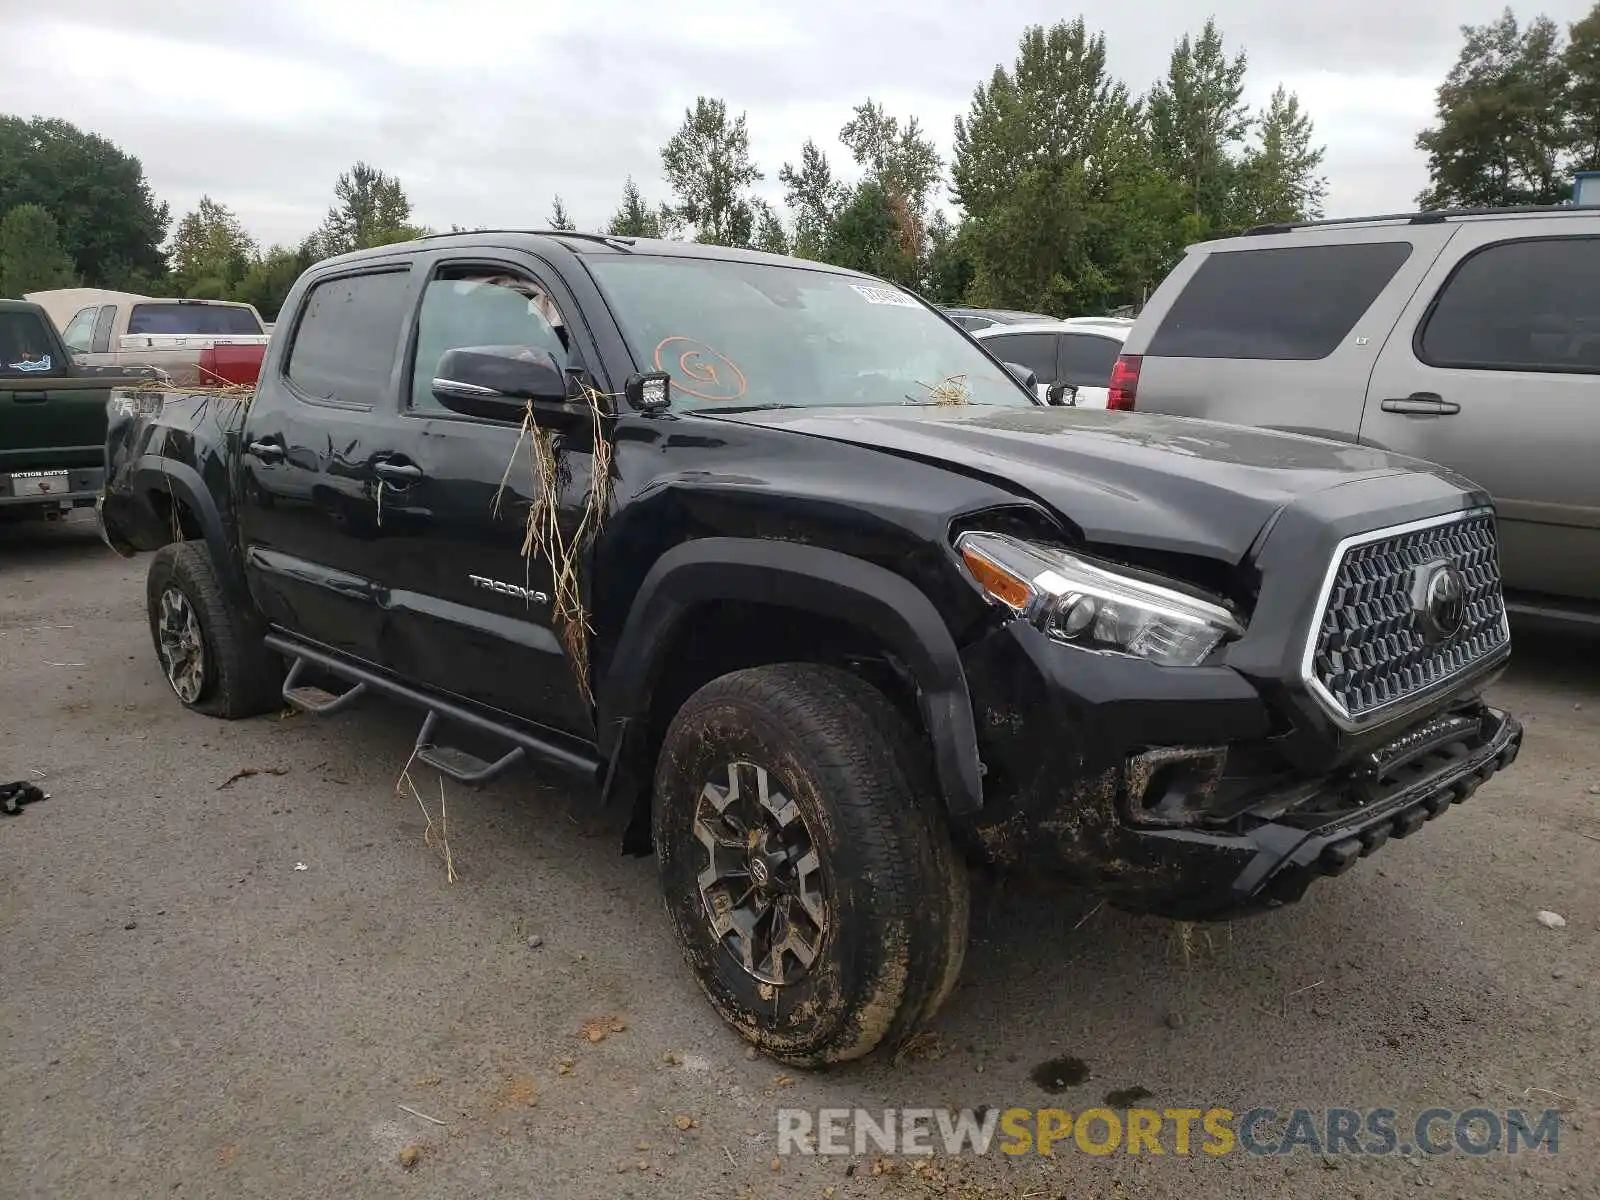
pixel 1529 305
pixel 1036 351
pixel 1086 359
pixel 1289 302
pixel 348 339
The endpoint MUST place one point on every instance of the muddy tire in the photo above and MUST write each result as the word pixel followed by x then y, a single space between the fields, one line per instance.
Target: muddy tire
pixel 210 652
pixel 806 867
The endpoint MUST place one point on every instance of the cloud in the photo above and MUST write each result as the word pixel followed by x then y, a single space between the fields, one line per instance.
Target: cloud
pixel 486 109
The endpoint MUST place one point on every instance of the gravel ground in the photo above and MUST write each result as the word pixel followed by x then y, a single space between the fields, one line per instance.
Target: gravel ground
pixel 233 990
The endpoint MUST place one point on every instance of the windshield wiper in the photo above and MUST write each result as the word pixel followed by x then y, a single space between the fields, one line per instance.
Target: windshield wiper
pixel 744 408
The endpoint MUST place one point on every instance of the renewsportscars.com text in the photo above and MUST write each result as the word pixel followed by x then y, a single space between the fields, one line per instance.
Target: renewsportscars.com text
pixel 1178 1131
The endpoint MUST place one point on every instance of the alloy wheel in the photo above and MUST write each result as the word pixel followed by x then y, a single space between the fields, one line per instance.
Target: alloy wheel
pixel 182 645
pixel 763 887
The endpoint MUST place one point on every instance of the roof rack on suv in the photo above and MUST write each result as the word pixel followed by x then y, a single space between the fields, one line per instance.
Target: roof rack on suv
pixel 609 239
pixel 1426 217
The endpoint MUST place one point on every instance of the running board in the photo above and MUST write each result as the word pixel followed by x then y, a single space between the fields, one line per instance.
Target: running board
pixel 570 754
pixel 307 697
pixel 458 764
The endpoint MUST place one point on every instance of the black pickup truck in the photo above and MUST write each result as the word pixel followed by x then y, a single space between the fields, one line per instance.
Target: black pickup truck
pixel 777 558
pixel 52 418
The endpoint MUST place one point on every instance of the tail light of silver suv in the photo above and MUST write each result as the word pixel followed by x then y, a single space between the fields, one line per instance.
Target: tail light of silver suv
pixel 1124 383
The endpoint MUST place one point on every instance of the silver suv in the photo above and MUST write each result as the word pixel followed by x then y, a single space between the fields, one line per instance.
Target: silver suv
pixel 1470 338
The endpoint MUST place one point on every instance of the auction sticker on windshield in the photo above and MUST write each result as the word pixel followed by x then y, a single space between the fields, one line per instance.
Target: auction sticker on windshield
pixel 878 295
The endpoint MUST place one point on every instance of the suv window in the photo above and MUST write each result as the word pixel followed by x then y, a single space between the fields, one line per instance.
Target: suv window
pixel 1036 351
pixel 24 346
pixel 1519 306
pixel 344 347
pixel 1086 360
pixel 1291 302
pixel 479 306
pixel 80 330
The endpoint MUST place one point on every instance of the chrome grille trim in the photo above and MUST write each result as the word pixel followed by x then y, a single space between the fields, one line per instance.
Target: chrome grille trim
pixel 1484 640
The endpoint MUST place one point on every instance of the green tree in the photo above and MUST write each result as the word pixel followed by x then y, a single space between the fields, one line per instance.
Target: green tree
pixel 770 235
pixel 267 282
pixel 1142 222
pixel 707 165
pixel 634 218
pixel 902 162
pixel 372 210
pixel 558 216
pixel 1032 170
pixel 950 266
pixel 110 224
pixel 1503 124
pixel 1582 58
pixel 1278 178
pixel 1197 123
pixel 865 236
pixel 31 257
pixel 814 196
pixel 210 247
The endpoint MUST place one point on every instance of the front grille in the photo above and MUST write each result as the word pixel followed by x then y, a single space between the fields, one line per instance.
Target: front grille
pixel 1374 646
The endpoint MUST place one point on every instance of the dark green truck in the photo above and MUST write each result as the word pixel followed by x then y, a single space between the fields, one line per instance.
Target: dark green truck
pixel 52 418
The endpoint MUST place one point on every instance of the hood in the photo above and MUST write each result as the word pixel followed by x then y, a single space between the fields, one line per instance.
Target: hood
pixel 1123 479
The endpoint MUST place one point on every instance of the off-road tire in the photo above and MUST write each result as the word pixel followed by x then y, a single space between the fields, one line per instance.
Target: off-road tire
pixel 241 677
pixel 896 891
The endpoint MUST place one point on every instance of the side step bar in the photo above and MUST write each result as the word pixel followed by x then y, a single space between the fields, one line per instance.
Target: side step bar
pixel 312 699
pixel 458 764
pixel 556 750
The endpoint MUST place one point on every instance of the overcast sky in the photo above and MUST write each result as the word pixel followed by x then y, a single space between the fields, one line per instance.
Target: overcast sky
pixel 487 108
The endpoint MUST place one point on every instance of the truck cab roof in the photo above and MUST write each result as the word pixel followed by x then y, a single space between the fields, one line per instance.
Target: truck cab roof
pixel 540 240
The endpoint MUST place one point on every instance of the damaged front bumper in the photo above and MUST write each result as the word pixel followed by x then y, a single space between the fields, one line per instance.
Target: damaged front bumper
pixel 1265 862
pixel 1163 790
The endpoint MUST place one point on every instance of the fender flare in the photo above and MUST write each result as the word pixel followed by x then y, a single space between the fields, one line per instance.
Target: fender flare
pixel 815 580
pixel 153 473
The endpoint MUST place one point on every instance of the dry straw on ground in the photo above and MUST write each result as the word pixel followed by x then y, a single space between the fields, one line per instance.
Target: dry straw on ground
pixel 434 834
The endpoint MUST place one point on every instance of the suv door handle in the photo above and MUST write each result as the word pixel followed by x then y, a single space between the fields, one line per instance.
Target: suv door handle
pixel 398 472
pixel 1422 404
pixel 30 397
pixel 267 452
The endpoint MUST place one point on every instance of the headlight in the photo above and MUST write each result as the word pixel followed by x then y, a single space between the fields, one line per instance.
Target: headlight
pixel 1083 604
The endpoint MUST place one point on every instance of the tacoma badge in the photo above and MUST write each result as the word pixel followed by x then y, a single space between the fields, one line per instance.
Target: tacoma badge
pixel 508 589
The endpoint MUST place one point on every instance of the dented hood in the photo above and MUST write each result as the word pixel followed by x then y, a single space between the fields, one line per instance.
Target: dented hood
pixel 1123 479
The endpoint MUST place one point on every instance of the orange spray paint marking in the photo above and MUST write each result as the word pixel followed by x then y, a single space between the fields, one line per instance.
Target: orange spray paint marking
pixel 709 375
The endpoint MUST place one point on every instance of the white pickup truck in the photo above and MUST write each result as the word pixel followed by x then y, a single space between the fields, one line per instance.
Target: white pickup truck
pixel 192 342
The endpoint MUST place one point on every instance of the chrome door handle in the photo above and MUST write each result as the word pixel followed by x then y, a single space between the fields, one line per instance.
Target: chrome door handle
pixel 267 452
pixel 1422 404
pixel 398 472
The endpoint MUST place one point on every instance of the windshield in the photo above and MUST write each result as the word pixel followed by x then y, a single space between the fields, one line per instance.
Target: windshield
pixel 743 335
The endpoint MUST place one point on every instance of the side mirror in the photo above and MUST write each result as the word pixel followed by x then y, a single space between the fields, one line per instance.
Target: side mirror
pixel 1063 394
pixel 1024 376
pixel 497 382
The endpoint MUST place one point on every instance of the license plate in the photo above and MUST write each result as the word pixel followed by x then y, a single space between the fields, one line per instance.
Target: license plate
pixel 40 483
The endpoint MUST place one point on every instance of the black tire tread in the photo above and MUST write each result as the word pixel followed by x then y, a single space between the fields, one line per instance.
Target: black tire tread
pixel 856 741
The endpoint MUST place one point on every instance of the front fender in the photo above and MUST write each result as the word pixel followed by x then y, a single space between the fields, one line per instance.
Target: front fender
pixel 812 579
